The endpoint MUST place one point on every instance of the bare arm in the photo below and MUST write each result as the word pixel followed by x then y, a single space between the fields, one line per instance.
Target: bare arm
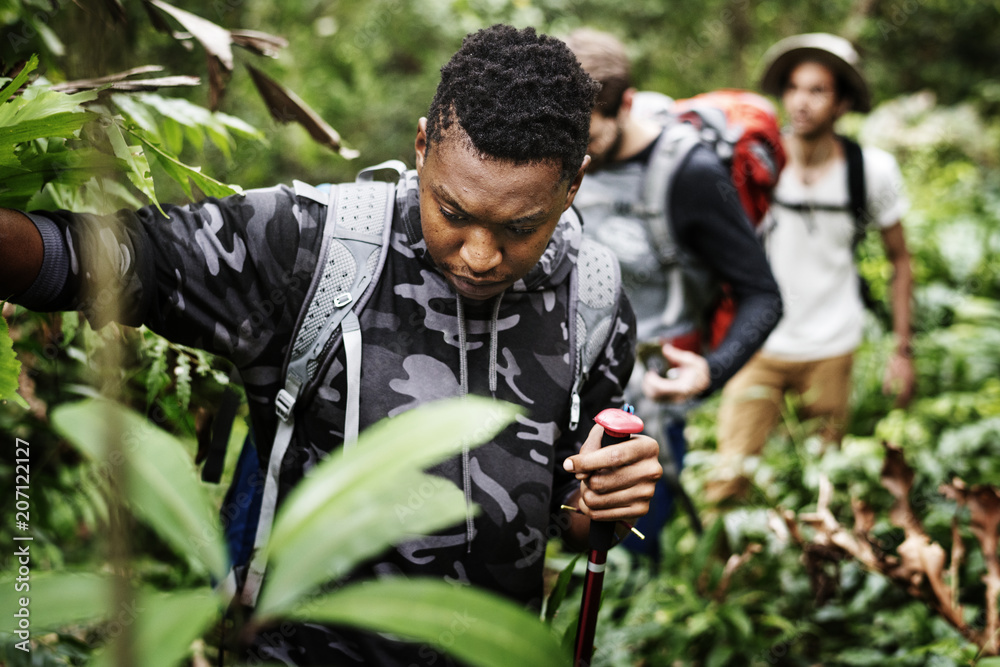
pixel 20 253
pixel 899 375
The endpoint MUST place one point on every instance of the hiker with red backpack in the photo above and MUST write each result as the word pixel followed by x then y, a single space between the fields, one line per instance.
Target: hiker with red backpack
pixel 659 196
pixel 830 193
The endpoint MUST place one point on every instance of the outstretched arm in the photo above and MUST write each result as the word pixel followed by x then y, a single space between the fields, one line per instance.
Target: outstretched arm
pixel 223 275
pixel 20 253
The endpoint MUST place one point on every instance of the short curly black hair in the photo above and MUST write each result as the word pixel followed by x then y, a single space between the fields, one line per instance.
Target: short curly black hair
pixel 518 95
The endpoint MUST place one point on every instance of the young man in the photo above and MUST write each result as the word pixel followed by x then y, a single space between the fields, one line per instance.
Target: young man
pixel 478 269
pixel 713 243
pixel 811 249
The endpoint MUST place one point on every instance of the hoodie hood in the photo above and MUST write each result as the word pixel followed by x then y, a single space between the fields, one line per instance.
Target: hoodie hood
pixel 552 268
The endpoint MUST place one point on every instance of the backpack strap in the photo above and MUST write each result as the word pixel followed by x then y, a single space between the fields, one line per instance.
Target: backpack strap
pixel 354 249
pixel 858 207
pixel 714 130
pixel 673 146
pixel 857 198
pixel 856 192
pixel 222 427
pixel 595 285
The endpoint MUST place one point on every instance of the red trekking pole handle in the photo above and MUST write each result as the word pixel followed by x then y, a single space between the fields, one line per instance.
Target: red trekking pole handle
pixel 619 426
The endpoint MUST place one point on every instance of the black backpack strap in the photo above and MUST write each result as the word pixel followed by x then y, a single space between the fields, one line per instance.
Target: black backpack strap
pixel 222 426
pixel 856 190
pixel 858 207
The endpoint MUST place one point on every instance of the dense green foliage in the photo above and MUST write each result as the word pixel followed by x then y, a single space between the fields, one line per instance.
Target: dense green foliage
pixel 369 69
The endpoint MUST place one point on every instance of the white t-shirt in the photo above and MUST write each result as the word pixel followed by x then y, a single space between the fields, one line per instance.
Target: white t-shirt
pixel 813 262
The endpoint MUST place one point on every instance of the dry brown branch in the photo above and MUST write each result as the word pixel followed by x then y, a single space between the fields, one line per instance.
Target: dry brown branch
pixel 217 41
pixel 919 564
pixel 984 519
pixel 957 556
pixel 258 42
pixel 735 562
pixel 121 81
pixel 285 106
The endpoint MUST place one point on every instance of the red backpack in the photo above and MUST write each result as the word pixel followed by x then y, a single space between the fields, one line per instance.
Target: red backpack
pixel 743 129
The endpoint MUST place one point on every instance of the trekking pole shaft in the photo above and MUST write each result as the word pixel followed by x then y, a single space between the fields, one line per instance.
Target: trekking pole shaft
pixel 589 607
pixel 601 538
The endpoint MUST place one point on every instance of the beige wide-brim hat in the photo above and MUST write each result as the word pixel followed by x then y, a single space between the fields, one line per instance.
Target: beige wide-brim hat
pixel 831 50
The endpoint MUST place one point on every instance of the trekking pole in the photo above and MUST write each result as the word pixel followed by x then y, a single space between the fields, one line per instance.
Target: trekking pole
pixel 618 425
pixel 672 477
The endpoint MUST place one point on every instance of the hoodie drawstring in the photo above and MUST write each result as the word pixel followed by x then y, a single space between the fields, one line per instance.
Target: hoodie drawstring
pixel 493 344
pixel 464 381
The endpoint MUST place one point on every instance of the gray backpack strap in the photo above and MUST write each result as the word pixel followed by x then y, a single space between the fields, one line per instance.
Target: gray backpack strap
pixel 595 285
pixel 669 153
pixel 368 173
pixel 355 246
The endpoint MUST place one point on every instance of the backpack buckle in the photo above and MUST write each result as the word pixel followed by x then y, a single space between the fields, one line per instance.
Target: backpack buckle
pixel 342 299
pixel 283 404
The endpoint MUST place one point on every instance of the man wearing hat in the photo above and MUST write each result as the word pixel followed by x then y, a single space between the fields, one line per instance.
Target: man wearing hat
pixel 829 192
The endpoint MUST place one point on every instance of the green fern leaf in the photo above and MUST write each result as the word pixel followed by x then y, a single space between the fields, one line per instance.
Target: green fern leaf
pixel 10 367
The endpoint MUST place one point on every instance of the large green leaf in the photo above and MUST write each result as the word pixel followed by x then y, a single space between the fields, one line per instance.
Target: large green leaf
pixel 20 79
pixel 163 486
pixel 40 113
pixel 182 173
pixel 140 114
pixel 165 626
pixel 18 186
pixel 68 167
pixel 181 119
pixel 8 158
pixel 559 591
pixel 10 367
pixel 56 600
pixel 475 626
pixel 195 116
pixel 31 152
pixel 62 194
pixel 65 125
pixel 137 167
pixel 40 102
pixel 353 507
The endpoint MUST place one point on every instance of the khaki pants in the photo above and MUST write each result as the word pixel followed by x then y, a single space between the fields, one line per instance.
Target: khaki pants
pixel 751 407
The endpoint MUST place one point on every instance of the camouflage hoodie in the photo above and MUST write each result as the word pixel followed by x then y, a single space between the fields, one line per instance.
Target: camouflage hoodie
pixel 230 276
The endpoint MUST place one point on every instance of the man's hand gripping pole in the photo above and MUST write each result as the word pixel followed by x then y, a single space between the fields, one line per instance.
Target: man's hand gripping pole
pixel 619 426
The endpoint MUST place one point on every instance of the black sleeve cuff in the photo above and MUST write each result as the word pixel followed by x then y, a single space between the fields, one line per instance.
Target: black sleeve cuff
pixel 55 267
